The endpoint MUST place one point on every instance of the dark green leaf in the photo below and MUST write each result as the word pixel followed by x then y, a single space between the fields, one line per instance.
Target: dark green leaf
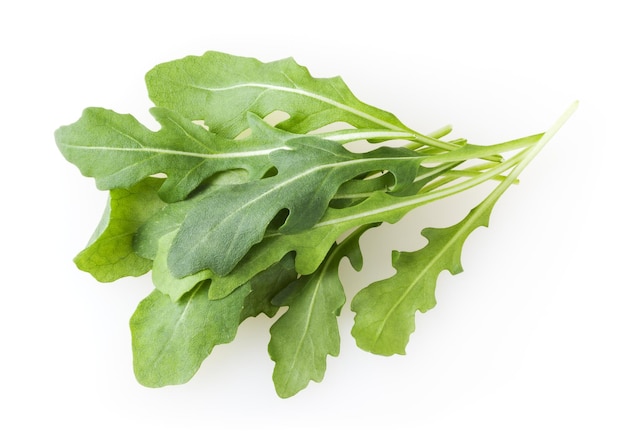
pixel 220 230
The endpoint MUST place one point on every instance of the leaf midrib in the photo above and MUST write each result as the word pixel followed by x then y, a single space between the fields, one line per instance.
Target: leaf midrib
pixel 178 323
pixel 305 93
pixel 244 154
pixel 310 309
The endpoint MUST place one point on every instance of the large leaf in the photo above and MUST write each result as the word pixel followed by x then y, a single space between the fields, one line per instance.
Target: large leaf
pixel 311 246
pixel 307 333
pixel 222 227
pixel 221 88
pixel 118 151
pixel 110 254
pixel 170 340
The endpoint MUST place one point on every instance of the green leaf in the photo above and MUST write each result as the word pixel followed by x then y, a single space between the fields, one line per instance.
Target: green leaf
pixel 170 340
pixel 307 332
pixel 385 310
pixel 118 151
pixel 311 245
pixel 221 88
pixel 222 228
pixel 109 254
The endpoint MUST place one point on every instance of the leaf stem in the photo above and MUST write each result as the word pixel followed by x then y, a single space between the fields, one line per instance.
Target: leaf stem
pixel 352 135
pixel 530 154
pixel 518 162
pixel 470 151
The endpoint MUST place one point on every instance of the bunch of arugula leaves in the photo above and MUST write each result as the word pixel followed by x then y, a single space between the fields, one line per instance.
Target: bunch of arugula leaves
pixel 237 216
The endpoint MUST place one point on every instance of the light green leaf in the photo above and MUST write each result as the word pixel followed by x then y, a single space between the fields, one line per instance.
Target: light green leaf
pixel 385 310
pixel 221 88
pixel 170 340
pixel 307 332
pixel 119 151
pixel 222 228
pixel 109 254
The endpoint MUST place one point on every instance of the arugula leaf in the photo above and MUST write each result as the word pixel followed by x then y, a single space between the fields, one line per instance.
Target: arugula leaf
pixel 307 332
pixel 311 246
pixel 118 151
pixel 221 88
pixel 385 310
pixel 170 340
pixel 220 230
pixel 109 254
pixel 154 238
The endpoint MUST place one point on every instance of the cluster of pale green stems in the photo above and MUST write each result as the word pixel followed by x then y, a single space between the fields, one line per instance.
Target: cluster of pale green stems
pixel 471 167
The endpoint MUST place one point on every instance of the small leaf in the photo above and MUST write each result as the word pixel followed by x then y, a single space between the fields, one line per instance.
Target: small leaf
pixel 109 254
pixel 385 310
pixel 307 332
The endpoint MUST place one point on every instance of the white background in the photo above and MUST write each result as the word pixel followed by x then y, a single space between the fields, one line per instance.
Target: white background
pixel 526 345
